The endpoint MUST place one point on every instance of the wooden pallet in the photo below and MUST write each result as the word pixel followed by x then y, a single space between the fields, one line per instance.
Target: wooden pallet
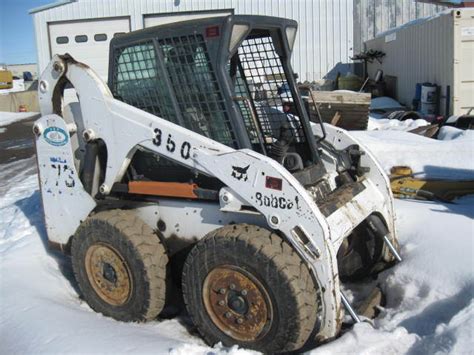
pixel 348 110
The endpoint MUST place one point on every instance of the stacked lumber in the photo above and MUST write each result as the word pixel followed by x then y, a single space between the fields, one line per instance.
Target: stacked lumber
pixel 348 110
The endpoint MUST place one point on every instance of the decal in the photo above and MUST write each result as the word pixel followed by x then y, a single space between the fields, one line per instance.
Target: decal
pixel 66 171
pixel 240 173
pixel 55 136
pixel 171 144
pixel 185 150
pixel 57 160
pixel 157 139
pixel 276 202
pixel 273 183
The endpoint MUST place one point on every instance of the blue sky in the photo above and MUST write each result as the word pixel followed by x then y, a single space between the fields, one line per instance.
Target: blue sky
pixel 17 36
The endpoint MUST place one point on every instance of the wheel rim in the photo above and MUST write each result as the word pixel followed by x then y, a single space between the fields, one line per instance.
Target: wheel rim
pixel 108 274
pixel 237 303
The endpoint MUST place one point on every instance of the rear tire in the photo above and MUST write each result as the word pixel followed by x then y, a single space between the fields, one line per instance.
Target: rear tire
pixel 120 266
pixel 245 285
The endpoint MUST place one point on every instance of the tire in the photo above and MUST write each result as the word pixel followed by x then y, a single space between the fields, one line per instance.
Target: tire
pixel 120 266
pixel 359 254
pixel 279 308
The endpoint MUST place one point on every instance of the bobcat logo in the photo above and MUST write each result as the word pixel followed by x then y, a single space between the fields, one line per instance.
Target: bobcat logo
pixel 240 173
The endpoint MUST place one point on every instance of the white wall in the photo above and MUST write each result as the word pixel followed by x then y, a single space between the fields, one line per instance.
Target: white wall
pixel 330 31
pixel 436 50
pixel 372 17
pixel 325 26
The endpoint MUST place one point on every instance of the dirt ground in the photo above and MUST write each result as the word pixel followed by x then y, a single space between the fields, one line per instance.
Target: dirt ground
pixel 16 140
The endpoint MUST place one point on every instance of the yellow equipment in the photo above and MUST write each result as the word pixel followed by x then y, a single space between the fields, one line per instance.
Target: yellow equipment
pixel 404 185
pixel 6 79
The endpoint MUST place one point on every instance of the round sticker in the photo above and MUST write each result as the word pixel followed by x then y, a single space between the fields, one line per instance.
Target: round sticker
pixel 55 136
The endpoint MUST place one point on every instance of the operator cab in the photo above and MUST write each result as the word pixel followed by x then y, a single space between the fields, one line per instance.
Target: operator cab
pixel 221 77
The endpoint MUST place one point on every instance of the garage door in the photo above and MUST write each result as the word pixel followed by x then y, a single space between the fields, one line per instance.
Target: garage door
pixel 162 19
pixel 87 41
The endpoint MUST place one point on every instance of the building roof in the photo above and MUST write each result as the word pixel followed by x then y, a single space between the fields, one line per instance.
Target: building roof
pixel 50 6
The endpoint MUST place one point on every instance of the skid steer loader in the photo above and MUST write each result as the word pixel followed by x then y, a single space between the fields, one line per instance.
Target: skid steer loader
pixel 187 161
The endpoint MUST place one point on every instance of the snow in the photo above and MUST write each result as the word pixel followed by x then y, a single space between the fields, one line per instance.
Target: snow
pixel 427 157
pixel 376 123
pixel 380 106
pixel 449 133
pixel 7 118
pixel 429 295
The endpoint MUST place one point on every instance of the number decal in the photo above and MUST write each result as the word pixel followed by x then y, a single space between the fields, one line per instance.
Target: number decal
pixel 185 150
pixel 170 144
pixel 157 139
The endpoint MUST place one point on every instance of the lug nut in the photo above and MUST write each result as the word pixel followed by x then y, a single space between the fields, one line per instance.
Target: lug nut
pixel 232 286
pixel 244 292
pixel 222 291
pixel 221 302
pixel 228 314
pixel 240 320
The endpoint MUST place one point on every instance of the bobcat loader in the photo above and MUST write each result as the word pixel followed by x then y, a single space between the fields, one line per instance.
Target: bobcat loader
pixel 186 170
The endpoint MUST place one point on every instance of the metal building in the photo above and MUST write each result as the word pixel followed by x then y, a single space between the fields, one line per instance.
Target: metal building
pixel 437 50
pixel 329 30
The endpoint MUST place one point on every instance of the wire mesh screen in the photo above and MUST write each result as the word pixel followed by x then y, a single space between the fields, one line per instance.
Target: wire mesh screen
pixel 241 91
pixel 137 81
pixel 195 87
pixel 268 86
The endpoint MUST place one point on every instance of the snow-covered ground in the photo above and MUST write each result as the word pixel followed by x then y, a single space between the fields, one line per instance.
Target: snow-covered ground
pixel 449 158
pixel 376 124
pixel 429 295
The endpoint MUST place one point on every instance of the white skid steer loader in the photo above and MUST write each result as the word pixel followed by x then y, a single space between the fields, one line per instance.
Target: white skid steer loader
pixel 187 167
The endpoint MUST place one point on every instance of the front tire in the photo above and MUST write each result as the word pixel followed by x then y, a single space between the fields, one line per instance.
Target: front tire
pixel 120 266
pixel 359 254
pixel 245 285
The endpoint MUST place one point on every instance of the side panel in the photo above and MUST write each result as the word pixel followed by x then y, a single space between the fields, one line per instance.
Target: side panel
pixel 182 222
pixel 65 202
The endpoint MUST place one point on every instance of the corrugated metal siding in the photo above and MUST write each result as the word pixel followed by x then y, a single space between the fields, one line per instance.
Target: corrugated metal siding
pixel 324 41
pixel 330 31
pixel 422 52
pixel 372 17
pixel 463 66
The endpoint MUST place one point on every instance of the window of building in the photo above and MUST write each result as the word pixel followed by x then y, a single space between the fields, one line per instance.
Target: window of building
pixel 80 38
pixel 100 37
pixel 62 40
